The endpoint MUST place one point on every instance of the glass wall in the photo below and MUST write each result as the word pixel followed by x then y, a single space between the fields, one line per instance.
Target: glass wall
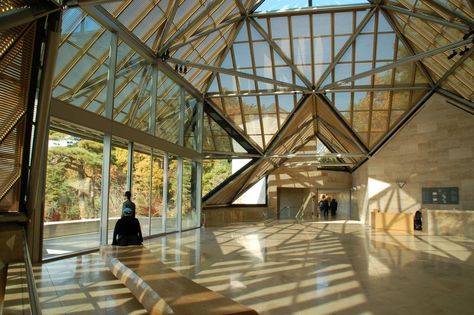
pixel 118 181
pixel 214 173
pixel 191 123
pixel 256 195
pixel 189 215
pixel 141 189
pixel 72 195
pixel 163 110
pixel 80 77
pixel 172 195
pixel 167 109
pixel 157 193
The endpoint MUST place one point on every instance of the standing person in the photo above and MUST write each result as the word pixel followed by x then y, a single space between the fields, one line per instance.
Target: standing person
pixel 127 230
pixel 129 203
pixel 333 207
pixel 324 206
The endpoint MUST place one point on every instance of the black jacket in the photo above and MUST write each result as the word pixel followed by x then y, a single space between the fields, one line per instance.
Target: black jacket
pixel 127 232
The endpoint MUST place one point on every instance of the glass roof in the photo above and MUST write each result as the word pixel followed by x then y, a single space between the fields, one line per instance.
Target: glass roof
pixel 281 5
pixel 423 35
pixel 351 69
pixel 217 140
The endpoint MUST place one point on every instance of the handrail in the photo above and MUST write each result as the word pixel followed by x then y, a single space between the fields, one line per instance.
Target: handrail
pixel 33 293
pixel 299 214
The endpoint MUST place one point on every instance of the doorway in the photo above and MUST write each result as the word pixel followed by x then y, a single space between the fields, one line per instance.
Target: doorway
pixel 291 201
pixel 343 198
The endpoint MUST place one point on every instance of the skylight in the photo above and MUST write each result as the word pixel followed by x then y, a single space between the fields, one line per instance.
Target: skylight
pixel 282 5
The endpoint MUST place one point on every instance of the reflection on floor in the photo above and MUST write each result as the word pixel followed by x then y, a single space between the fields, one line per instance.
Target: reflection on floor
pixel 312 268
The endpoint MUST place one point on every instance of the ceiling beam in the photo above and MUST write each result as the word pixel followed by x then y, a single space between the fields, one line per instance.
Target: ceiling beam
pixel 368 88
pixel 224 53
pixel 456 98
pixel 280 52
pixel 360 88
pixel 171 12
pixel 24 15
pixel 108 21
pixel 407 44
pixel 345 47
pixel 241 7
pixel 207 31
pixel 310 10
pixel 208 154
pixel 443 6
pixel 255 6
pixel 400 62
pixel 72 3
pixel 233 73
pixel 313 163
pixel 190 24
pixel 426 17
pixel 453 68
pixel 256 93
pixel 315 155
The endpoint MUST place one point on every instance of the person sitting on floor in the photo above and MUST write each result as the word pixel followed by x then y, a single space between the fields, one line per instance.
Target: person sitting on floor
pixel 128 203
pixel 127 230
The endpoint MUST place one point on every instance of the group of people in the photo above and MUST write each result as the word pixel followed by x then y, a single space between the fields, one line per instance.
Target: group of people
pixel 127 230
pixel 327 204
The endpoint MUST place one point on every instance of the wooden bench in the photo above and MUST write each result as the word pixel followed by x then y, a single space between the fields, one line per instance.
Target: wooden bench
pixel 161 290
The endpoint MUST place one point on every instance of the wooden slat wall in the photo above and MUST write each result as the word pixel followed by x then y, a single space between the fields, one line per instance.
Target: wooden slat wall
pixel 16 50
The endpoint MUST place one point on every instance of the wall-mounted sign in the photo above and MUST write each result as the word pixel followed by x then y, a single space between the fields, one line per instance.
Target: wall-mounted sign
pixel 440 195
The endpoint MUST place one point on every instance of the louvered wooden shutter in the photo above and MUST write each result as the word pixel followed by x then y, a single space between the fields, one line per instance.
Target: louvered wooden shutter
pixel 16 50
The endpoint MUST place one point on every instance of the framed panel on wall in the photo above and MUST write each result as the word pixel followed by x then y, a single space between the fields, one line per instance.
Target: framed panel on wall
pixel 440 195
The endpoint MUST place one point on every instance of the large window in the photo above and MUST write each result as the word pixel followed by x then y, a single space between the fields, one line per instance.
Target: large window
pixel 214 173
pixel 172 194
pixel 161 109
pixel 189 196
pixel 157 193
pixel 72 197
pixel 118 182
pixel 141 189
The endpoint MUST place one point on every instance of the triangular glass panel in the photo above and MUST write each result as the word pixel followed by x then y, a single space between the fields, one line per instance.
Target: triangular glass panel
pixel 81 74
pixel 345 24
pixel 460 81
pixel 216 139
pixel 371 113
pixel 261 62
pixel 216 171
pixel 454 8
pixel 142 18
pixel 424 35
pixel 255 195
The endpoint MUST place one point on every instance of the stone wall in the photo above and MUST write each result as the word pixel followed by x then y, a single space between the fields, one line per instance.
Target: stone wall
pixel 233 215
pixel 435 149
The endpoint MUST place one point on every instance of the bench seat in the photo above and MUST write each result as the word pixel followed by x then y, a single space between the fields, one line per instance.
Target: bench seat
pixel 161 290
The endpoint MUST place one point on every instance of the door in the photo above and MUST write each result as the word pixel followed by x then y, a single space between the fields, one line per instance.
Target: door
pixel 291 200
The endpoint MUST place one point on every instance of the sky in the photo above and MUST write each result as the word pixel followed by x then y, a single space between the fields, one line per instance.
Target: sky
pixel 272 5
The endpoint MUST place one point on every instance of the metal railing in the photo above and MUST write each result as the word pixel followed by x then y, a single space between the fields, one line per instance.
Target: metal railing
pixel 30 278
pixel 299 215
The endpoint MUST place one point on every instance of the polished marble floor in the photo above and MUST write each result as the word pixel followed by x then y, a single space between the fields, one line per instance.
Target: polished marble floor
pixel 286 268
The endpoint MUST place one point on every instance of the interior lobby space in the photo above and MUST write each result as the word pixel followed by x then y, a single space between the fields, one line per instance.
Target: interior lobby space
pixel 286 268
pixel 221 157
